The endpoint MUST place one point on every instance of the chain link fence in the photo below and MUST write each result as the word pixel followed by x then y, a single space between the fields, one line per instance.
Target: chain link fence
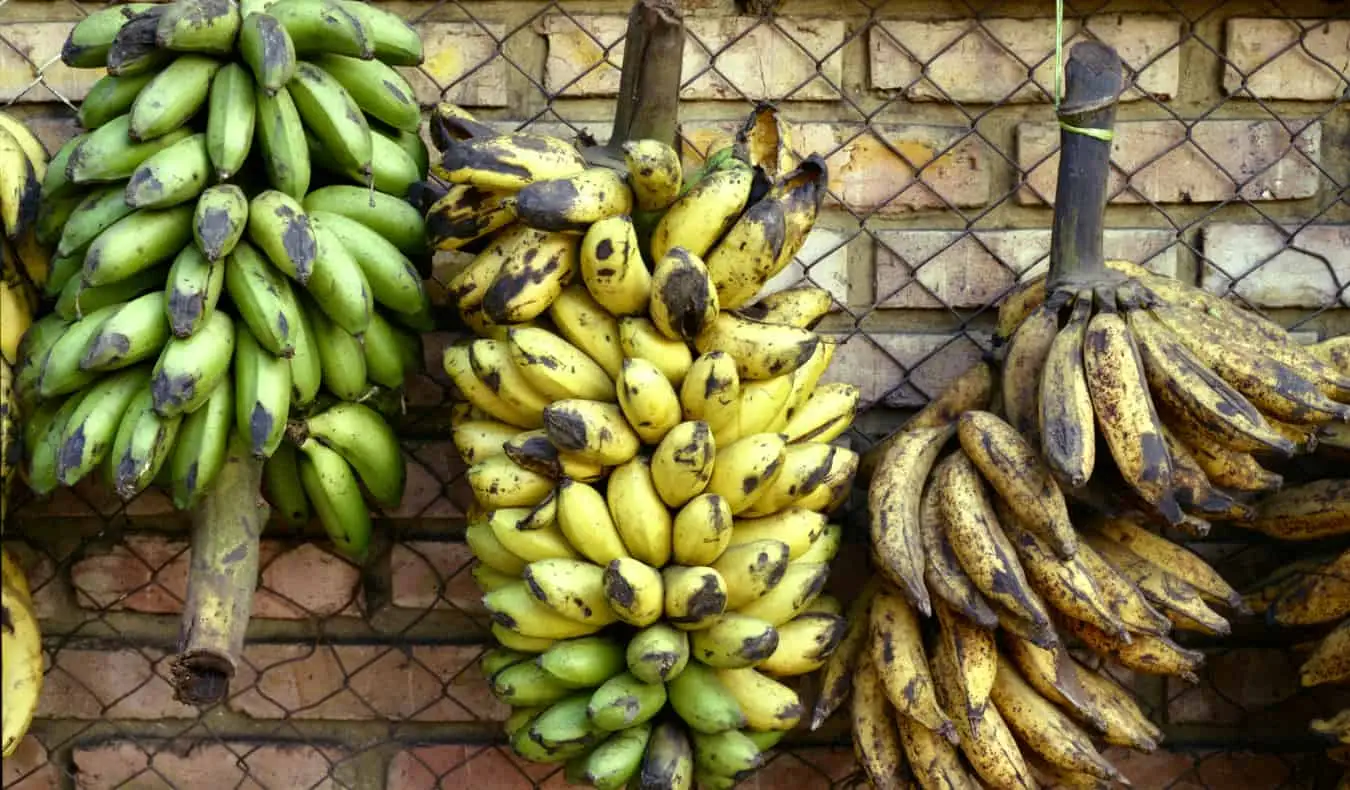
pixel 1232 164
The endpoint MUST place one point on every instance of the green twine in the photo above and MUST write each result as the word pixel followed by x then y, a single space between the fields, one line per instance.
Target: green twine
pixel 1105 135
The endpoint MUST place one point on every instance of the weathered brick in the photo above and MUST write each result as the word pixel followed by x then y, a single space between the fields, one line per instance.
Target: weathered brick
pixel 1274 267
pixel 459 765
pixel 206 764
pixel 148 573
pixel 1306 59
pixel 364 683
pixel 794 58
pixel 29 768
pixel 128 683
pixel 1255 160
pixel 462 64
pixel 904 369
pixel 49 595
pixel 971 269
pixel 32 49
pixel 822 261
pixel 434 575
pixel 420 491
pixel 996 60
pixel 1244 688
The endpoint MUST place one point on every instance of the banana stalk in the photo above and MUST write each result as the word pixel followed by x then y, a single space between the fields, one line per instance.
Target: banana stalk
pixel 226 528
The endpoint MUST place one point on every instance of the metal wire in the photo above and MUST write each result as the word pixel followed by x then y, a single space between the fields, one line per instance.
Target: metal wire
pixel 358 677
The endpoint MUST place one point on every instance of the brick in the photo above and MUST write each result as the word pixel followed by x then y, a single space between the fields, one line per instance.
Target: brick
pixel 750 59
pixel 29 768
pixel 822 262
pixel 1244 688
pixel 1304 59
pixel 434 575
pixel 420 490
pixel 49 593
pixel 459 765
pixel 113 684
pixel 148 573
pixel 32 49
pixel 205 764
pixel 971 269
pixel 989 61
pixel 1274 267
pixel 903 369
pixel 1256 160
pixel 462 64
pixel 364 683
pixel 786 770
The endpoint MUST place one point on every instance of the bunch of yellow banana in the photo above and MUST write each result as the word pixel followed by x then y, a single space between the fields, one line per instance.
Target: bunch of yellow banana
pixel 204 285
pixel 653 470
pixel 21 663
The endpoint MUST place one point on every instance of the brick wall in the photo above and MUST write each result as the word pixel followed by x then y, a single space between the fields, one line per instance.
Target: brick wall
pixel 1232 160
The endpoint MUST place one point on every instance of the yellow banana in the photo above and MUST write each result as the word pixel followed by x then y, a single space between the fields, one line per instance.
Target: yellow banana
pixel 573 588
pixel 942 571
pixel 1153 655
pixel 639 339
pixel 583 516
pixel 1310 511
pixel 683 299
pixel 876 741
pixel 702 530
pixel 589 327
pixel 500 482
pixel 556 368
pixel 1127 602
pixel 704 214
pixel 635 592
pixel 612 267
pixel 695 596
pixel 745 469
pixel 804 644
pixel 575 202
pixel 1068 436
pixel 1174 596
pixel 800 585
pixel 591 430
pixel 682 463
pixel 898 655
pixel 531 278
pixel 893 500
pixel 802 306
pixel 837 677
pixel 648 400
pixel 751 570
pixel 975 658
pixel 515 609
pixel 1027 356
pixel 1171 557
pixel 654 172
pixel 761 350
pixel 795 527
pixel 990 746
pixel 641 517
pixel 711 392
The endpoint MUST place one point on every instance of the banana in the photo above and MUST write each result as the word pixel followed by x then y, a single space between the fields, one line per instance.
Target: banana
pixel 1039 724
pixel 499 482
pixel 1328 662
pixel 1317 597
pixel 704 701
pixel 1172 595
pixel 141 445
pixel 800 306
pixel 639 339
pixel 837 678
pixel 1228 469
pixel 527 685
pixel 188 369
pixel 1171 557
pixel 647 400
pixel 321 26
pixel 199 26
pixel 1154 655
pixel 612 267
pixel 482 541
pixel 53 214
pixel 478 440
pixel 988 745
pixel 279 226
pixel 486 579
pixel 897 653
pixel 695 596
pixel 654 172
pixel 285 492
pixel 933 759
pixel 762 403
pixel 1051 672
pixel 745 259
pixel 574 202
pixel 267 49
pixel 108 154
pixel 702 530
pixel 199 452
pixel 573 588
pixel 669 761
pixel 806 467
pixel 974 658
pixel 583 516
pixel 58 185
pixel 135 331
pixel 175 95
pixel 556 368
pixel 726 754
pixel 831 404
pixel 514 641
pixel 262 395
pixel 1028 355
pixel 804 644
pixel 973 389
pixel 337 283
pixel 137 242
pixel 711 392
pixel 78 298
pixel 623 701
pixel 340 358
pixel 681 468
pixel 110 97
pixel 1337 726
pixel 1305 512
pixel 450 123
pixel 761 350
pixel 942 572
pixel 583 663
pixel 467 213
pixel 801 193
pixel 642 520
pixel 734 641
pixel 20 186
pixel 332 116
pixel 392 40
pixel 508 161
pixel 1126 724
pixel 499 658
pixel 219 220
pixel 392 217
pixel 800 585
pixel 824 549
pixel 392 279
pixel 390 352
pixel 88 434
pixel 42 444
pixel 590 430
pixel 1195 492
pixel 514 608
pixel 683 300
pixel 1126 601
pixel 458 366
pixel 751 569
pixel 894 497
pixel 876 741
pixel 21 679
pixel 589 327
pixel 705 213
pixel 746 469
pixel 378 89
pixel 263 298
pixel 59 371
pixel 281 139
pixel 469 285
pixel 231 118
pixel 658 653
pixel 87 44
pixel 531 278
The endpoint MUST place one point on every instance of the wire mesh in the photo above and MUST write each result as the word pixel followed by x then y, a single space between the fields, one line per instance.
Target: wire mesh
pixel 1231 169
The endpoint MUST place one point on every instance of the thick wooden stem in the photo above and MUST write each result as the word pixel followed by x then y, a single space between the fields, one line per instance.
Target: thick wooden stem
pixel 1092 86
pixel 226 528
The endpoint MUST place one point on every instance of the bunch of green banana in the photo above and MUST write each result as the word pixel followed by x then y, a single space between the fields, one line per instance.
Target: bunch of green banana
pixel 651 454
pixel 204 285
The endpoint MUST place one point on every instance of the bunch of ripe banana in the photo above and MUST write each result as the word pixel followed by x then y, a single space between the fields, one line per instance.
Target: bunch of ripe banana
pixel 20 656
pixel 649 446
pixel 205 284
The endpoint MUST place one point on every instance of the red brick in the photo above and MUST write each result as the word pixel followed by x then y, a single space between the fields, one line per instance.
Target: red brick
pixel 1160 769
pixel 148 573
pixel 786 770
pixel 29 50
pixel 49 591
pixel 363 683
pixel 422 488
pixel 434 575
pixel 114 684
pixel 1164 166
pixel 1242 769
pixel 29 768
pixel 206 764
pixel 1305 266
pixel 903 369
pixel 1245 688
pixel 460 766
pixel 1303 59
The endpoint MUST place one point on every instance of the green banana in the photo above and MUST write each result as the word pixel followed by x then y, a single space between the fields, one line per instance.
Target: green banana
pixel 199 26
pixel 614 762
pixel 53 214
pixel 262 394
pixel 699 697
pixel 87 44
pixel 175 175
pixel 377 88
pixel 280 228
pixel 60 372
pixel 263 298
pixel 337 283
pixel 282 486
pixel 658 653
pixel 110 97
pixel 89 433
pixel 78 298
pixel 585 662
pixel 397 220
pixel 669 761
pixel 412 145
pixel 44 450
pixel 329 112
pixel 193 288
pixel 729 753
pixel 136 242
pixel 219 220
pixel 134 50
pixel 172 97
pixel 199 453
pixel 317 26
pixel 188 369
pixel 623 701
pixel 335 495
pixel 393 280
pixel 281 135
pixel 341 358
pixel 142 444
pixel 306 366
pixel 110 154
pixel 34 350
pixel 57 184
pixel 388 352
pixel 97 212
pixel 137 331
pixel 563 729
pixel 363 437
pixel 392 40
pixel 232 114
pixel 268 50
pixel 64 268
